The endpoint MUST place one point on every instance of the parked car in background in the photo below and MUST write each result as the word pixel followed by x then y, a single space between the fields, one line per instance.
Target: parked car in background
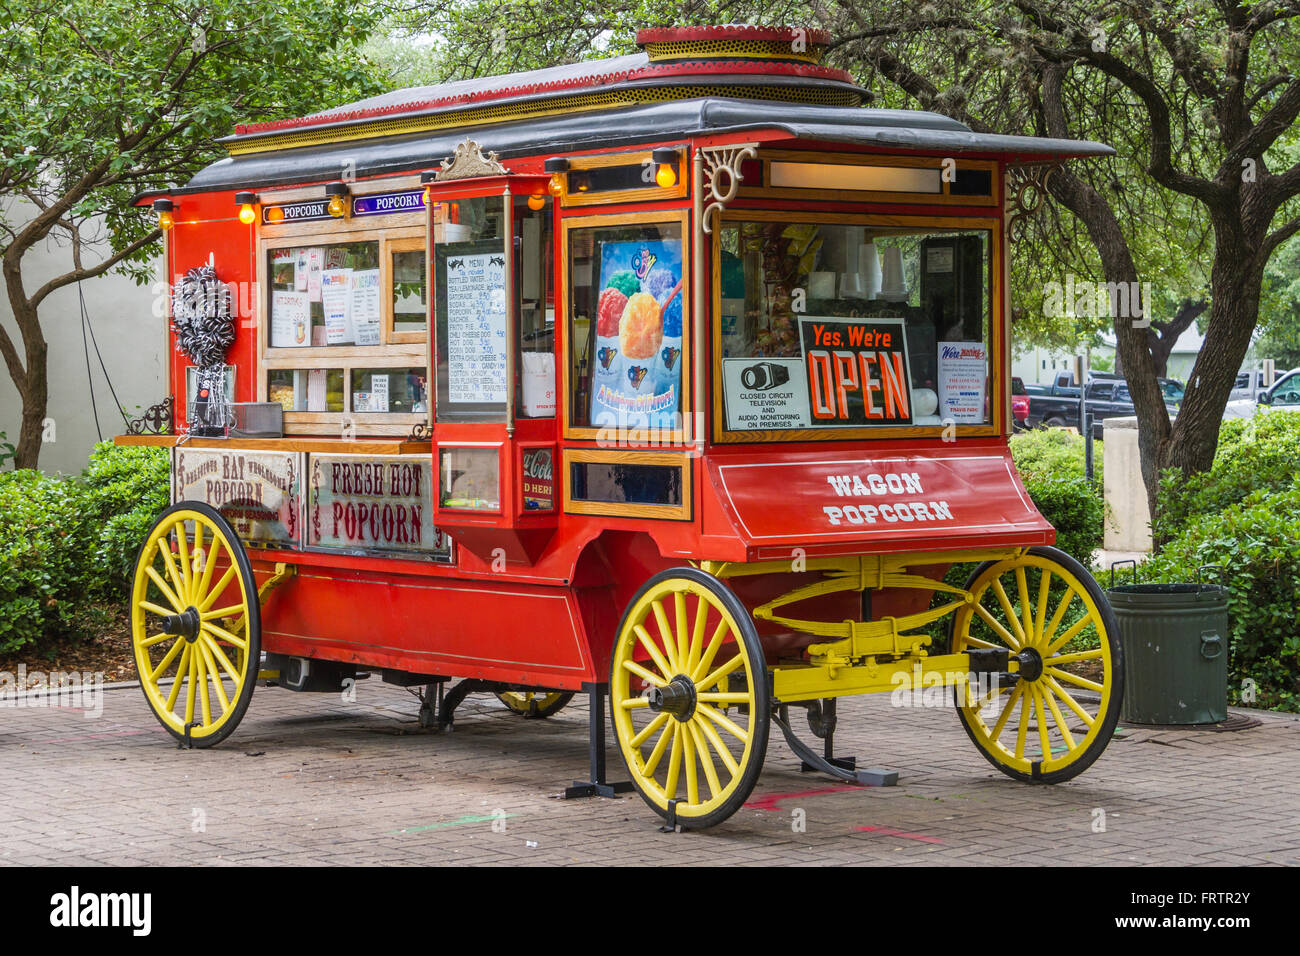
pixel 1019 404
pixel 1284 393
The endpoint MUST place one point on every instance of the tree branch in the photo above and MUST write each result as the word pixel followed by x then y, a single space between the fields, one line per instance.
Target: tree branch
pixel 76 275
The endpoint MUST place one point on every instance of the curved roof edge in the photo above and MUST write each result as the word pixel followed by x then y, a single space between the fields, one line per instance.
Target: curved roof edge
pixel 901 130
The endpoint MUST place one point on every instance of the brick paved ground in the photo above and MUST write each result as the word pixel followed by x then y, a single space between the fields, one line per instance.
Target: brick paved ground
pixel 310 779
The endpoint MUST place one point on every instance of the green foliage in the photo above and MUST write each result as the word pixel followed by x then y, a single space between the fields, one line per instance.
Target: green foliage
pixel 1051 464
pixel 68 543
pixel 1259 454
pixel 43 560
pixel 1256 544
pixel 7 450
pixel 125 490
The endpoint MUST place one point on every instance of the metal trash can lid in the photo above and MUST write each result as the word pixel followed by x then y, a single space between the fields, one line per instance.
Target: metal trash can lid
pixel 1167 595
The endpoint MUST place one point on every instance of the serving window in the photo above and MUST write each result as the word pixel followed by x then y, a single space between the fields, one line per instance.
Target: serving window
pixel 344 343
pixel 836 326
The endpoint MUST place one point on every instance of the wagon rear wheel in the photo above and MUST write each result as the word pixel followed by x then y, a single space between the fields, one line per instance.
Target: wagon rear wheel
pixel 689 697
pixel 195 624
pixel 534 705
pixel 1051 721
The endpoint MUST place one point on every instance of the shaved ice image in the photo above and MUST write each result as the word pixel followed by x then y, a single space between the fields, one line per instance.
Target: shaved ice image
pixel 641 331
pixel 625 282
pixel 659 283
pixel 609 310
pixel 672 316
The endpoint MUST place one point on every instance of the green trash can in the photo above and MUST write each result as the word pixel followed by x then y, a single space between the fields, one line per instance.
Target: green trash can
pixel 1175 639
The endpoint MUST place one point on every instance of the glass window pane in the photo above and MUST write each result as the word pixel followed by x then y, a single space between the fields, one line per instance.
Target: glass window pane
pixel 627 306
pixel 617 483
pixel 306 390
pixel 832 326
pixel 470 286
pixel 324 295
pixel 389 390
pixel 410 292
pixel 469 479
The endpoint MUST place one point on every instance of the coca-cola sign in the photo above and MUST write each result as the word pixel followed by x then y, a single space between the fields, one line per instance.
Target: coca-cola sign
pixel 538 479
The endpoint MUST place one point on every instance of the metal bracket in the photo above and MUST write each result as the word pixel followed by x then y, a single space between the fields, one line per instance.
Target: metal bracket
pixel 722 167
pixel 863 778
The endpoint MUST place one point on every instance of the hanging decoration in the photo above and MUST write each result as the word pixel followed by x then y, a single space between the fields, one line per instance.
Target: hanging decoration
pixel 204 328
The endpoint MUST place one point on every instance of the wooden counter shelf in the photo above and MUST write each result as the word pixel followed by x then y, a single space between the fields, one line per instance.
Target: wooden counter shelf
pixel 319 446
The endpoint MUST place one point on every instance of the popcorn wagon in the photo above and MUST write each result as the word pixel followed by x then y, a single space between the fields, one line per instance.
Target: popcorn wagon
pixel 677 379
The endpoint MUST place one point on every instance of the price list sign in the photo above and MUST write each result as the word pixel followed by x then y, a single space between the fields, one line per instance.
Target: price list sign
pixel 474 287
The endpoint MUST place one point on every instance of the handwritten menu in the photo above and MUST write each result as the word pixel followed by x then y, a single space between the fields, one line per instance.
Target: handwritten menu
pixel 290 319
pixel 476 327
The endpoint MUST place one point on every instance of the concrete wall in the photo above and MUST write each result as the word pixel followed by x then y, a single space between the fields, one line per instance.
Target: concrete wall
pixel 131 340
pixel 1128 519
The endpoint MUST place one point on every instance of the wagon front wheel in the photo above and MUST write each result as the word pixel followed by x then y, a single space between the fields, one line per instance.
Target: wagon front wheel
pixel 534 705
pixel 1051 720
pixel 689 697
pixel 195 624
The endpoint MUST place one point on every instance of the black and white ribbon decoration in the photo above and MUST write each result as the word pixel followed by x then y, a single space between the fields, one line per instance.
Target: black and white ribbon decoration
pixel 201 317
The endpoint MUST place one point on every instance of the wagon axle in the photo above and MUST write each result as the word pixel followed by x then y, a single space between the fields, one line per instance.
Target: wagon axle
pixel 186 624
pixel 676 698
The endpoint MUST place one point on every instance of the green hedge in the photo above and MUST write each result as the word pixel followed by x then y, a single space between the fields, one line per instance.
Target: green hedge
pixel 1051 464
pixel 1243 515
pixel 68 545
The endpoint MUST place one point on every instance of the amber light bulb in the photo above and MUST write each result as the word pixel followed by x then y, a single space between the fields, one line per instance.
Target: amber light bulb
pixel 536 201
pixel 337 207
pixel 665 176
pixel 246 214
pixel 556 185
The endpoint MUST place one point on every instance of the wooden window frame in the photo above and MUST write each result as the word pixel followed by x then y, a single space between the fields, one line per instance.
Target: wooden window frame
pixel 943 198
pixel 400 232
pixel 680 217
pixel 680 460
pixel 651 193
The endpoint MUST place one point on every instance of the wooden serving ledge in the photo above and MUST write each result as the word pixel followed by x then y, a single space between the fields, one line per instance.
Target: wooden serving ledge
pixel 319 446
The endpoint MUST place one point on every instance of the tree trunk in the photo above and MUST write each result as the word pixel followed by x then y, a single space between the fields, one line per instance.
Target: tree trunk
pixel 29 373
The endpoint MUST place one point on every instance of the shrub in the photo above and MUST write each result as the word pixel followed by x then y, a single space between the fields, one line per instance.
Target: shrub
pixel 1051 464
pixel 1254 454
pixel 67 544
pixel 125 490
pixel 44 580
pixel 1256 543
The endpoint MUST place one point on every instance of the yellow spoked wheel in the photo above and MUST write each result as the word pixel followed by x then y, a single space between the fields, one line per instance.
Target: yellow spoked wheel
pixel 689 697
pixel 195 624
pixel 1050 721
pixel 534 705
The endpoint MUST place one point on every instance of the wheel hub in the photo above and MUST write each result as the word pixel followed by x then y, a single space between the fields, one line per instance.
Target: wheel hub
pixel 1031 664
pixel 677 698
pixel 186 624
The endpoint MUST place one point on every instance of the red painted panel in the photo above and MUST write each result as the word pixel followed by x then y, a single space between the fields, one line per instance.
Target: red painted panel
pixel 864 501
pixel 498 631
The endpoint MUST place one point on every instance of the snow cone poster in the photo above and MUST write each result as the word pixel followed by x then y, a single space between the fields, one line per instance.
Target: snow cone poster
pixel 637 378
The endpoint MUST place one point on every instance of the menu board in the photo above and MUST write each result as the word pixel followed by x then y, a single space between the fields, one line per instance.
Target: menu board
pixel 364 504
pixel 963 373
pixel 259 493
pixel 336 300
pixel 365 306
pixel 472 294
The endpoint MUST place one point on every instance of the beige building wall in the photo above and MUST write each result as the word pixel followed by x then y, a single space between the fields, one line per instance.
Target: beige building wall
pixel 1128 519
pixel 131 340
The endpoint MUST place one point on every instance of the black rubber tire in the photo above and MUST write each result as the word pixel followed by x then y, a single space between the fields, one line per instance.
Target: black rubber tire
pixel 253 628
pixel 759 727
pixel 1108 719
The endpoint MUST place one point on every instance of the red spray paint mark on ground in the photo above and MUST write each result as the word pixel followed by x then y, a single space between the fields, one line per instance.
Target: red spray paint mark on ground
pixel 889 831
pixel 770 802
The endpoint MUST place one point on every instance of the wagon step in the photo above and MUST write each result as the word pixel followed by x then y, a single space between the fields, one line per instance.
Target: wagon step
pixel 841 768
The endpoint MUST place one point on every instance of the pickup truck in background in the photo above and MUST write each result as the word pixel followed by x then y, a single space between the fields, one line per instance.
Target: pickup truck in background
pixel 1019 404
pixel 1106 398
